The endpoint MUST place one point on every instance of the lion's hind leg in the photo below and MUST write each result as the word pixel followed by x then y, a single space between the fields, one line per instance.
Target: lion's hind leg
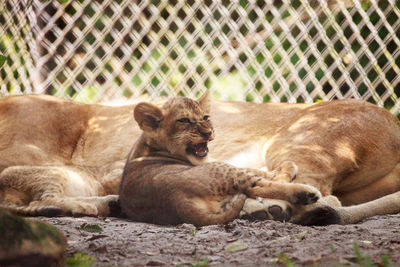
pixel 45 191
pixel 326 211
pixel 210 210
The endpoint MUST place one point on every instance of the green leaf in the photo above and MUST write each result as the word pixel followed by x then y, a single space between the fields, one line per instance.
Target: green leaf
pixel 80 260
pixel 92 228
pixel 2 60
pixel 237 246
pixel 361 259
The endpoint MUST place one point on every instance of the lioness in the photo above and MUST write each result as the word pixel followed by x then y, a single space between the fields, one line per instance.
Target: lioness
pixel 61 157
pixel 166 179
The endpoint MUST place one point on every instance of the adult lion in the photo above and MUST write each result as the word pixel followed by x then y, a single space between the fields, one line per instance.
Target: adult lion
pixel 348 149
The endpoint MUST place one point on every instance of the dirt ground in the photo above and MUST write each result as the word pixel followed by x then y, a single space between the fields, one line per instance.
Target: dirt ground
pixel 119 242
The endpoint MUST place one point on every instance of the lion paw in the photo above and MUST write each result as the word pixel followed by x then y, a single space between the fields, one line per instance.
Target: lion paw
pixel 305 196
pixel 114 208
pixel 286 172
pixel 266 209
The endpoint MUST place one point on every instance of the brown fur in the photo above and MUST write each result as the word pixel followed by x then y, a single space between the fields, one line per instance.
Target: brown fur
pixel 348 149
pixel 164 183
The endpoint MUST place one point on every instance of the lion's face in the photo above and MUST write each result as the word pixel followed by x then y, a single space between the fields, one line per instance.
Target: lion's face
pixel 182 127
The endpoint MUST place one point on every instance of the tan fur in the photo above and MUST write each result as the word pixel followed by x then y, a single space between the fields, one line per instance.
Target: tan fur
pixel 61 157
pixel 347 148
pixel 164 183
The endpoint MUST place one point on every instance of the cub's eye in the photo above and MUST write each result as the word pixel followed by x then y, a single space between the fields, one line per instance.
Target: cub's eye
pixel 206 118
pixel 184 120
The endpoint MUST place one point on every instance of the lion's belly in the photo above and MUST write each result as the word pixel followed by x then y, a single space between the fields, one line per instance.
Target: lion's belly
pixel 80 185
pixel 250 157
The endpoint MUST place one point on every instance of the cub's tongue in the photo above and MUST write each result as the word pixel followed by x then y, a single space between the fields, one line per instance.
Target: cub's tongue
pixel 200 149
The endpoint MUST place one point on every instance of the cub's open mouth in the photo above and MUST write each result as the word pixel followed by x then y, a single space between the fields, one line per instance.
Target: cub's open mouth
pixel 199 150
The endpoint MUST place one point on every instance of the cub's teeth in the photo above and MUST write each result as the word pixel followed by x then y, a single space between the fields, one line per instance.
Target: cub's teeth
pixel 200 150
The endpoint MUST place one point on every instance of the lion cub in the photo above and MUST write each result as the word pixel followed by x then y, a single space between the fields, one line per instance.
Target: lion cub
pixel 167 179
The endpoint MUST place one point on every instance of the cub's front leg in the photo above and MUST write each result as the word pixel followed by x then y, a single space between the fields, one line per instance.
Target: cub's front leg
pixel 297 194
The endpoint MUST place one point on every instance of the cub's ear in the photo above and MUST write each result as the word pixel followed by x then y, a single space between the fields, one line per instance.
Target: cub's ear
pixel 205 102
pixel 148 116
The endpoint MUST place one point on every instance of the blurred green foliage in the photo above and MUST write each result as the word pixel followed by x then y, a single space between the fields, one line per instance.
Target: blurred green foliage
pixel 2 60
pixel 230 85
pixel 80 260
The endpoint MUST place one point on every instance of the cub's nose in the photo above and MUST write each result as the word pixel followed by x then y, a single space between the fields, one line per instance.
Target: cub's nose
pixel 206 135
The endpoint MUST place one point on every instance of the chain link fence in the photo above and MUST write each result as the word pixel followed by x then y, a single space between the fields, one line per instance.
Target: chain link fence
pixel 264 50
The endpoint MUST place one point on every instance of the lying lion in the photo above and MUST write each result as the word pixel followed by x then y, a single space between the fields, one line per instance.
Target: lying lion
pixel 61 157
pixel 166 179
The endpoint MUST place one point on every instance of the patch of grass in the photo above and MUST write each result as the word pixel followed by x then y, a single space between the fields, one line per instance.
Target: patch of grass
pixel 92 228
pixel 283 258
pixel 201 263
pixel 193 232
pixel 365 260
pixel 80 260
pixel 361 260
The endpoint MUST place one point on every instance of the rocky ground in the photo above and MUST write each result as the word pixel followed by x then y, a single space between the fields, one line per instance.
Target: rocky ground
pixel 118 242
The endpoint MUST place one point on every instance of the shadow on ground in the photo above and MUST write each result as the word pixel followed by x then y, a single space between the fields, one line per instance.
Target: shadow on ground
pixel 117 242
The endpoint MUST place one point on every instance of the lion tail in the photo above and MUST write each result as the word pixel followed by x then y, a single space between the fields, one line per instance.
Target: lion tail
pixel 389 204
